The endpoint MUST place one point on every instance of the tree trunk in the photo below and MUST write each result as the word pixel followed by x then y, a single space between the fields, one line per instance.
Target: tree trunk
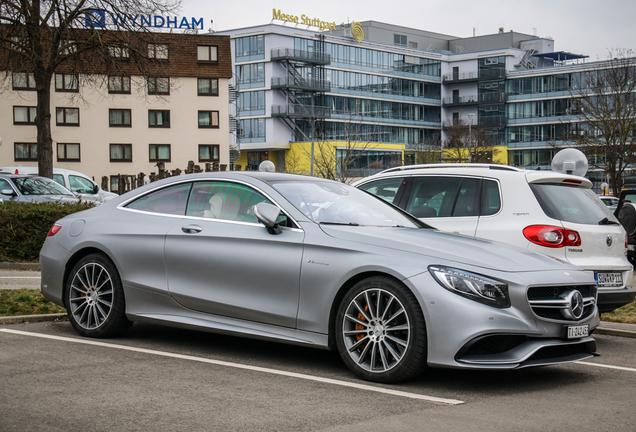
pixel 43 124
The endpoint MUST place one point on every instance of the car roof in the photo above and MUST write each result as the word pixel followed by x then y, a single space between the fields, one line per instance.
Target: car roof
pixel 487 170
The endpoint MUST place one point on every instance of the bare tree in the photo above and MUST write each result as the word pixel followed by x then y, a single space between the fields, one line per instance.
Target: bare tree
pixel 39 38
pixel 339 162
pixel 605 103
pixel 426 152
pixel 465 142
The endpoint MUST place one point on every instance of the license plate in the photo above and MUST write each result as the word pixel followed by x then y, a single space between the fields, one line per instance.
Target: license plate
pixel 575 332
pixel 609 279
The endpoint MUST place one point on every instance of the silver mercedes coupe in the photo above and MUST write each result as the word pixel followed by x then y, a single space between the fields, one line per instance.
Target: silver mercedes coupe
pixel 309 261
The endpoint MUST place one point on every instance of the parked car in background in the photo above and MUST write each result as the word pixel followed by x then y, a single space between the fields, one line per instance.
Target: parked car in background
pixel 29 188
pixel 544 211
pixel 310 261
pixel 79 183
pixel 610 201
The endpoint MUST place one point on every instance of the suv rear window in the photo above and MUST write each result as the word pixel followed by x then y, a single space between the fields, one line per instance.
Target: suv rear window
pixel 570 204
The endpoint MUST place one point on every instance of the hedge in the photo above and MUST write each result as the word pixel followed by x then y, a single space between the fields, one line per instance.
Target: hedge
pixel 23 227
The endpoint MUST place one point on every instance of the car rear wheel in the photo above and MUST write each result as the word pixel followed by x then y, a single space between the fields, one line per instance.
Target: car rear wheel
pixel 94 297
pixel 380 331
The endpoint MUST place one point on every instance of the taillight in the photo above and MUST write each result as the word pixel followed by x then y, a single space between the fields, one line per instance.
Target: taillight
pixel 54 230
pixel 551 236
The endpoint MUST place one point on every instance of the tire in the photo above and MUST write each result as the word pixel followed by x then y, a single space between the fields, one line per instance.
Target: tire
pixel 94 298
pixel 380 331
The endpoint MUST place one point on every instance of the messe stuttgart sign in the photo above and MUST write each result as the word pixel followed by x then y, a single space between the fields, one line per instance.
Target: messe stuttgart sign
pixel 103 19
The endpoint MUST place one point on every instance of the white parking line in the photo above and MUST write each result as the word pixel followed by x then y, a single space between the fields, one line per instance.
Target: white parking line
pixel 242 366
pixel 601 365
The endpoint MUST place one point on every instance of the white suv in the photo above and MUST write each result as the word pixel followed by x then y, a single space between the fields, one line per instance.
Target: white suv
pixel 544 211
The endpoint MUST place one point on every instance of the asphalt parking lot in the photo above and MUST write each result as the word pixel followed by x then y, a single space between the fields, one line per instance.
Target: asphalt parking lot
pixel 158 378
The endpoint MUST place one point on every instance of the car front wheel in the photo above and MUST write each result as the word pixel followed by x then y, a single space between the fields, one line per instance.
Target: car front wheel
pixel 94 297
pixel 380 331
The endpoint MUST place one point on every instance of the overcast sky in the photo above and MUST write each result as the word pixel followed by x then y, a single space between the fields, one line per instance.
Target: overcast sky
pixel 588 27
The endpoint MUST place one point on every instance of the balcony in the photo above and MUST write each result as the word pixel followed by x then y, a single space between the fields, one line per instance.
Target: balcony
pixel 495 121
pixel 460 77
pixel 301 111
pixel 309 57
pixel 301 84
pixel 459 100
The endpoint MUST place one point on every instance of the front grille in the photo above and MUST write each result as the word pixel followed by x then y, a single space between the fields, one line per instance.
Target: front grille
pixel 549 302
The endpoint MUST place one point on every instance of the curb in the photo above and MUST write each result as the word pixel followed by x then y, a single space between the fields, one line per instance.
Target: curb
pixel 19 266
pixel 615 332
pixel 31 318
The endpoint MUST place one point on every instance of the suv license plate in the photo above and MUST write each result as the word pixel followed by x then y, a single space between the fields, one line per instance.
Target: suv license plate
pixel 575 332
pixel 609 279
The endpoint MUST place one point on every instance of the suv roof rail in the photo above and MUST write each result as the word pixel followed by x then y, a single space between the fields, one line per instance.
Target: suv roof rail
pixel 452 165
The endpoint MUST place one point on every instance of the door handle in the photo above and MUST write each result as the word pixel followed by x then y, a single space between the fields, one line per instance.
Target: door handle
pixel 191 229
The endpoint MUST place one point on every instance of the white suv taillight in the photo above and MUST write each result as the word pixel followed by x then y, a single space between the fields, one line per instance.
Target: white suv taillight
pixel 551 236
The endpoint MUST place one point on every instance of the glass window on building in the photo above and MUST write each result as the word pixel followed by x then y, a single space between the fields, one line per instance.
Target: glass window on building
pixel 208 119
pixel 23 81
pixel 119 84
pixel 252 103
pixel 66 83
pixel 121 152
pixel 208 86
pixel 208 152
pixel 363 163
pixel 67 116
pixel 159 152
pixel 67 152
pixel 158 51
pixel 159 118
pixel 207 53
pixel 119 117
pixel 158 85
pixel 251 74
pixel 399 40
pixel 250 46
pixel 25 152
pixel 24 115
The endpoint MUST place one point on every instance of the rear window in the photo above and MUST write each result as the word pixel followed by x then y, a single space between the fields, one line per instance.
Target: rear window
pixel 571 204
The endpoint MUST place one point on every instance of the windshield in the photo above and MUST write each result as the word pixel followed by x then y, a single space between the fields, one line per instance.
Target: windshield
pixel 40 186
pixel 572 204
pixel 337 203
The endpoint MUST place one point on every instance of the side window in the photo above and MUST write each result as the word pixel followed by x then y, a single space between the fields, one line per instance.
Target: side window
pixel 468 198
pixel 170 200
pixel 225 200
pixel 4 185
pixel 386 189
pixel 490 198
pixel 80 184
pixel 59 178
pixel 443 197
pixel 433 196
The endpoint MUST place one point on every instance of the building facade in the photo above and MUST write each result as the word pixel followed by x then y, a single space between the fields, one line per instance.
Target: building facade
pixel 104 126
pixel 396 90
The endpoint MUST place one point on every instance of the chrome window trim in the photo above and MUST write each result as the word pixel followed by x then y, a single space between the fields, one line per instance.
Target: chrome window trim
pixel 122 206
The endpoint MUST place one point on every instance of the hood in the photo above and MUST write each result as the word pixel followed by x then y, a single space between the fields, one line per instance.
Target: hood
pixel 449 247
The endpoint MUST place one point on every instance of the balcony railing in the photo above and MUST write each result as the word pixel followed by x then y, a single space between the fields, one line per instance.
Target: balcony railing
pixel 312 57
pixel 460 100
pixel 298 83
pixel 301 111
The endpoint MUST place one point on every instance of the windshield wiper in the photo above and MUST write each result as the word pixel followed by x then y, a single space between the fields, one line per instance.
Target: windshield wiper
pixel 606 221
pixel 339 223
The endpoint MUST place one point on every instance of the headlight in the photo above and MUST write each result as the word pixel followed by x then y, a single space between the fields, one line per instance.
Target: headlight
pixel 473 286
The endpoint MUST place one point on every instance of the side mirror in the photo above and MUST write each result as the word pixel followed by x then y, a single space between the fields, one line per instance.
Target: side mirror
pixel 96 189
pixel 8 192
pixel 267 215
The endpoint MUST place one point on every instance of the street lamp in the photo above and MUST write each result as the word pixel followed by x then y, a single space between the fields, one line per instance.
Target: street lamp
pixel 470 135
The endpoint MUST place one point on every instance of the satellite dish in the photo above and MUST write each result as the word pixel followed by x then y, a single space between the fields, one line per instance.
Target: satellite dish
pixel 570 161
pixel 267 166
